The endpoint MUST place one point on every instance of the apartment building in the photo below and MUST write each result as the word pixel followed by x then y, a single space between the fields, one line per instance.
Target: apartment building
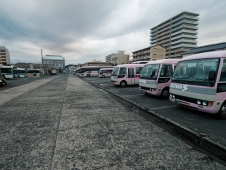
pixel 4 56
pixel 120 58
pixel 151 53
pixel 108 57
pixel 177 34
pixel 55 61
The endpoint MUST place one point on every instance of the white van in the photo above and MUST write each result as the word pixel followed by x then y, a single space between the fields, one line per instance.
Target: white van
pixel 105 72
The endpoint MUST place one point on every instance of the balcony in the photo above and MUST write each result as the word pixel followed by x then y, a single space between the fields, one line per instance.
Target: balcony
pixel 164 41
pixel 191 17
pixel 184 36
pixel 162 38
pixel 190 22
pixel 183 45
pixel 184 40
pixel 164 25
pixel 184 31
pixel 164 29
pixel 178 18
pixel 153 34
pixel 164 33
pixel 153 41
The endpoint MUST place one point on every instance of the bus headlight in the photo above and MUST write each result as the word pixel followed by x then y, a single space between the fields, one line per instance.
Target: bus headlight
pixel 171 95
pixel 199 102
pixel 204 103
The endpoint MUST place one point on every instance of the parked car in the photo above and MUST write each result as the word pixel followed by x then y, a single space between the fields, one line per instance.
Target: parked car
pixel 2 82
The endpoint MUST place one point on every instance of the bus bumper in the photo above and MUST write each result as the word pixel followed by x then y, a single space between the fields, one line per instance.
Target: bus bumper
pixel 208 109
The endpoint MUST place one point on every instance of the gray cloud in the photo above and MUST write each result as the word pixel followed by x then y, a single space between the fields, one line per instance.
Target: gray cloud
pixel 83 30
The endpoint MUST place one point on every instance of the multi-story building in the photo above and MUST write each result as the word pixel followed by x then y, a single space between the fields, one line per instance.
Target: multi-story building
pixel 120 58
pixel 55 61
pixel 4 56
pixel 108 57
pixel 151 53
pixel 177 34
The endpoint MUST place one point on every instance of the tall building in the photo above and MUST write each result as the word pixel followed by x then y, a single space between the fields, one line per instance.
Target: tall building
pixel 177 34
pixel 4 56
pixel 55 61
pixel 151 53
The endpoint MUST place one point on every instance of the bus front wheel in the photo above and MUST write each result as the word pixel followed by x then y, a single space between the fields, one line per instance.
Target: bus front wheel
pixel 222 112
pixel 123 83
pixel 165 93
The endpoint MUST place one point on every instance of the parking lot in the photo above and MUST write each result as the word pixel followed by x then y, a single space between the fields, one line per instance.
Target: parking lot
pixel 62 122
pixel 206 125
pixel 20 81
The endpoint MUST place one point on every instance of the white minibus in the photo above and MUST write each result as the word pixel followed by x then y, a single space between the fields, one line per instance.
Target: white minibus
pixel 126 74
pixel 105 72
pixel 156 77
pixel 199 82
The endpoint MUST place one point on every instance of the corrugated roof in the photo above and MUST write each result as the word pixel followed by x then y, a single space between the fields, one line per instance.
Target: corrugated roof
pixel 205 48
pixel 53 57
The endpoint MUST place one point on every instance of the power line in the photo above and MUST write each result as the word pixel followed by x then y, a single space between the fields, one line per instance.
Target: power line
pixel 14 29
pixel 14 25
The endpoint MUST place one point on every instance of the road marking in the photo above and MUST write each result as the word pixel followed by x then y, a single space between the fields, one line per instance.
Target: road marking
pixel 162 107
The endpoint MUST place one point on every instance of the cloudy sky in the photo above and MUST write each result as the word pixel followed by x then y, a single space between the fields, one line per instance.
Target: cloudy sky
pixel 84 30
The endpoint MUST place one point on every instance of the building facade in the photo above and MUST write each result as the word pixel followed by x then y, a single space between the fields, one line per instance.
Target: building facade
pixel 120 58
pixel 4 56
pixel 177 34
pixel 55 61
pixel 151 53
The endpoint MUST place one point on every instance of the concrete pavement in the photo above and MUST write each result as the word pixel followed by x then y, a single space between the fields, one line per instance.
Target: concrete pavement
pixel 65 123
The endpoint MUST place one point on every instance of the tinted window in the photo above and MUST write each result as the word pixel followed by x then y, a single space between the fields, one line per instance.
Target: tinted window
pixel 166 71
pixel 223 72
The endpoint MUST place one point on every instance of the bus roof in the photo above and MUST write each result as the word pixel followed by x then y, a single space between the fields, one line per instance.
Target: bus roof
pixel 212 54
pixel 107 68
pixel 97 67
pixel 164 61
pixel 138 62
pixel 130 65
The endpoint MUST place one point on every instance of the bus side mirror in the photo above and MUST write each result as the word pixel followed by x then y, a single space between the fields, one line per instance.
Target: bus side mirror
pixel 212 75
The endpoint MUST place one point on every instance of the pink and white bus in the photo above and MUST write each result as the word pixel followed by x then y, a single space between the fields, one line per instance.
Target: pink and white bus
pixel 156 77
pixel 199 82
pixel 126 74
pixel 89 71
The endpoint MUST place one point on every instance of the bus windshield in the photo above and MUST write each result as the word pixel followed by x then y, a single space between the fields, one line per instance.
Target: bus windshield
pixel 150 71
pixel 115 71
pixel 195 71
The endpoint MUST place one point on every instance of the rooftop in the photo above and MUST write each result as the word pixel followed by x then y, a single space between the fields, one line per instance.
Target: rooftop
pixel 175 17
pixel 205 48
pixel 53 57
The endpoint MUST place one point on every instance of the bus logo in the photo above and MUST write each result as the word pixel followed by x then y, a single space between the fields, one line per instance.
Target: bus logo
pixel 179 87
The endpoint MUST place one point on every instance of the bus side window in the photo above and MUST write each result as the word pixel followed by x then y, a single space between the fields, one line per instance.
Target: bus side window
pixel 223 72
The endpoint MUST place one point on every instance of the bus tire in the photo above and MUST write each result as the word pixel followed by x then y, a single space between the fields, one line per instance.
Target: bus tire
pixel 103 76
pixel 123 83
pixel 221 114
pixel 165 93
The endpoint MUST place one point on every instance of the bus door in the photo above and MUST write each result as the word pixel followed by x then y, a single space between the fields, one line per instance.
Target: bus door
pixel 131 77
